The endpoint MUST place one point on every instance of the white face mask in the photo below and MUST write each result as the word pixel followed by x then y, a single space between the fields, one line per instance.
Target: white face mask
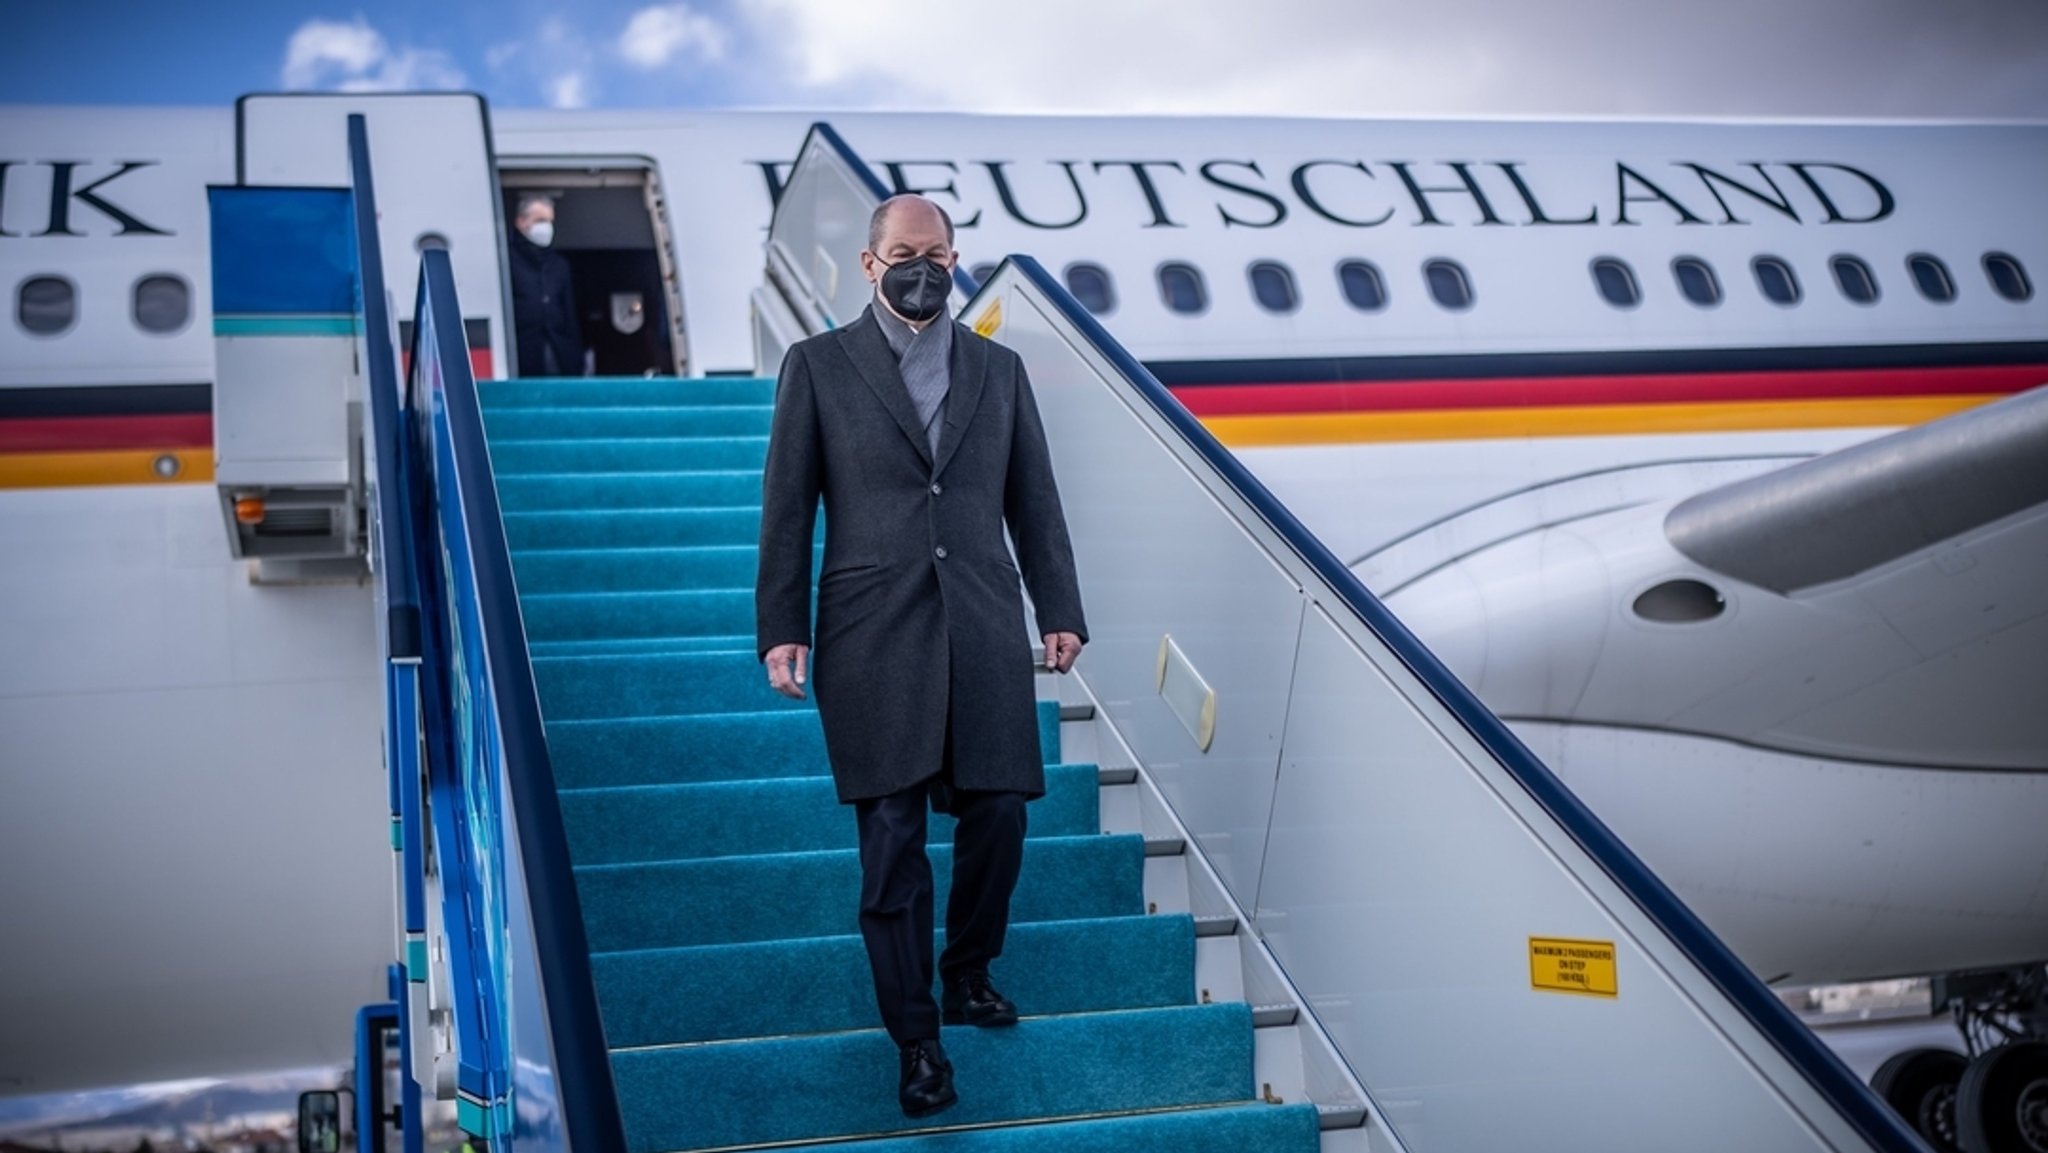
pixel 541 232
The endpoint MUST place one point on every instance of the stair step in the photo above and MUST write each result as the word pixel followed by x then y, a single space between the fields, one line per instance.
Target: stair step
pixel 724 819
pixel 1254 1128
pixel 545 392
pixel 620 616
pixel 595 570
pixel 676 487
pixel 733 746
pixel 632 528
pixel 1116 776
pixel 844 1084
pixel 781 896
pixel 820 985
pixel 669 685
pixel 1216 925
pixel 1274 1016
pixel 516 457
pixel 624 422
pixel 631 646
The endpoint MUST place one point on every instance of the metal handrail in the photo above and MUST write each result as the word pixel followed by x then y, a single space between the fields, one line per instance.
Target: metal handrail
pixel 504 677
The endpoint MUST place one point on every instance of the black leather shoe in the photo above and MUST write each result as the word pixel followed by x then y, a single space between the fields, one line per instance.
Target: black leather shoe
pixel 927 1085
pixel 972 1000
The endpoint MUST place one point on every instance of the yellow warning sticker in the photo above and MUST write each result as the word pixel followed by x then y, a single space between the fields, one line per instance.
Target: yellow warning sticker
pixel 987 323
pixel 1566 965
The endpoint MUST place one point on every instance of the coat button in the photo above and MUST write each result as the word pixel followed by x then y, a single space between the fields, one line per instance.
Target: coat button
pixel 940 552
pixel 937 489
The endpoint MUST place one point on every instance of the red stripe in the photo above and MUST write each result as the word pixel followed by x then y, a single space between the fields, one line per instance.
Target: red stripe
pixel 87 433
pixel 1662 388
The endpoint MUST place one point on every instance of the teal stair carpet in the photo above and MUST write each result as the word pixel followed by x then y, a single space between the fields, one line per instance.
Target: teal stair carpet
pixel 717 871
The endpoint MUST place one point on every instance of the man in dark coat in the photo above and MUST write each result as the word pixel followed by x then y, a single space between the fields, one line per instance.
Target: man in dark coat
pixel 544 321
pixel 924 441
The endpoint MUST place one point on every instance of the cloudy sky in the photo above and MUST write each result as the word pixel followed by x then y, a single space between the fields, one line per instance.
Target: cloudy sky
pixel 1880 58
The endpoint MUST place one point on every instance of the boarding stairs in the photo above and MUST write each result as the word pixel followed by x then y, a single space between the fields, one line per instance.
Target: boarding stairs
pixel 1285 892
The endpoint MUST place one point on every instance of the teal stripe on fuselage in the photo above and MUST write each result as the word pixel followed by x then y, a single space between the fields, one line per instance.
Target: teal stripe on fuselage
pixel 302 324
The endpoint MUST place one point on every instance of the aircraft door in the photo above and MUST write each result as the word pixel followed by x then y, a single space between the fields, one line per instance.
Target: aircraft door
pixel 611 231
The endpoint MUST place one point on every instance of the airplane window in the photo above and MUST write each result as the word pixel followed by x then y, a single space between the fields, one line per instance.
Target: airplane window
pixel 45 305
pixel 1362 285
pixel 163 303
pixel 1181 287
pixel 1448 283
pixel 1091 286
pixel 1932 277
pixel 2008 279
pixel 1697 281
pixel 1273 286
pixel 1775 278
pixel 981 272
pixel 1617 282
pixel 1855 279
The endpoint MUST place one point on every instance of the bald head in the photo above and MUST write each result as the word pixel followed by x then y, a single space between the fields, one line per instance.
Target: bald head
pixel 906 212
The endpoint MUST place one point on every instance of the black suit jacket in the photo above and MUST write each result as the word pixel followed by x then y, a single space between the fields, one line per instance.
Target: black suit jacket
pixel 920 624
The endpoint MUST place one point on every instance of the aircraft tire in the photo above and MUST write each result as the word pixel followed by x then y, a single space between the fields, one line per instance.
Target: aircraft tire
pixel 2002 1102
pixel 1921 1085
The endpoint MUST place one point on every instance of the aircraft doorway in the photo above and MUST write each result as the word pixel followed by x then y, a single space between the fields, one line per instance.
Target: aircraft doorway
pixel 611 225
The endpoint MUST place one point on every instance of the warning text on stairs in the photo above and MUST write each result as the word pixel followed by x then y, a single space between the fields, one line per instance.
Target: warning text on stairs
pixel 1567 965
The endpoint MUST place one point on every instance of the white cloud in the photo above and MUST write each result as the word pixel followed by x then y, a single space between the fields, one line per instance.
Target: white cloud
pixel 1392 57
pixel 499 55
pixel 569 90
pixel 354 57
pixel 656 36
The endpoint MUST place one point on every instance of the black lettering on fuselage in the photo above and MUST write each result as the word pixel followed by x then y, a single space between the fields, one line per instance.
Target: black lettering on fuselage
pixel 1139 169
pixel 1778 200
pixel 1466 184
pixel 1308 198
pixel 1623 174
pixel 1885 203
pixel 4 166
pixel 1273 202
pixel 1009 198
pixel 62 194
pixel 1536 213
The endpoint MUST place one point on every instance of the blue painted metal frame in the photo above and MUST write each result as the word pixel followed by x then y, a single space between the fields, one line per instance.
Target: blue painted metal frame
pixel 825 132
pixel 1825 1072
pixel 391 532
pixel 492 687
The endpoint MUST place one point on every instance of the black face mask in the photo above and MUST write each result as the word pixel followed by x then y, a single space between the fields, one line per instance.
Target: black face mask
pixel 916 288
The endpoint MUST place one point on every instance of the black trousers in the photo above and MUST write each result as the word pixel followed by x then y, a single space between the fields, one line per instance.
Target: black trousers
pixel 896 894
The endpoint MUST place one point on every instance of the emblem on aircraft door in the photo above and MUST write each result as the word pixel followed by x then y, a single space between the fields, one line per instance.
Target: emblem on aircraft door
pixel 629 312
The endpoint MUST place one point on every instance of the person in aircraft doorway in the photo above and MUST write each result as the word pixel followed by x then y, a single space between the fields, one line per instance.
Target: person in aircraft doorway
pixel 544 321
pixel 925 441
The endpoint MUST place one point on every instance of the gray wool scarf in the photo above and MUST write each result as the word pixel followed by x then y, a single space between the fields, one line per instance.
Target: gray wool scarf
pixel 925 358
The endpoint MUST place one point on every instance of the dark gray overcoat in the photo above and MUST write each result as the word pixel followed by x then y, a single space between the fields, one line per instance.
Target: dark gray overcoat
pixel 920 619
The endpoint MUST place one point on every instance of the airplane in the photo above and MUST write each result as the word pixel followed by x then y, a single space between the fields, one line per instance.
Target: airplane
pixel 1637 423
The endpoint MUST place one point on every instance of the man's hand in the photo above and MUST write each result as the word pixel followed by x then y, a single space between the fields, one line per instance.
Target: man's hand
pixel 791 683
pixel 1060 651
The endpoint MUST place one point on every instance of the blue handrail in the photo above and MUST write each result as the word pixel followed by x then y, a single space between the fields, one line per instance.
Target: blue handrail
pixel 387 423
pixel 1825 1072
pixel 497 674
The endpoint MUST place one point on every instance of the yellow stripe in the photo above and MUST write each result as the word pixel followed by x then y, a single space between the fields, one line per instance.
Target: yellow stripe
pixel 1582 420
pixel 125 466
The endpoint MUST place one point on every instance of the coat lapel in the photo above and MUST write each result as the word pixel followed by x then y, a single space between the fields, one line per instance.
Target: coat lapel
pixel 869 350
pixel 969 365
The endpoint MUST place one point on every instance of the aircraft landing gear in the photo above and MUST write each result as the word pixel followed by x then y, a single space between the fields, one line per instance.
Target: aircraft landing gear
pixel 1997 1101
pixel 1920 1086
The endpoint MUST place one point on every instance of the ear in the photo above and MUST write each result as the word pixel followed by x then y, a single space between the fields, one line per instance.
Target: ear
pixel 952 258
pixel 870 267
